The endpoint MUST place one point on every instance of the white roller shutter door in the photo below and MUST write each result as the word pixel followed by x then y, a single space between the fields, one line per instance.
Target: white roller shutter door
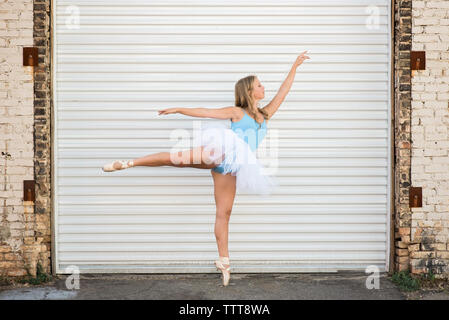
pixel 130 58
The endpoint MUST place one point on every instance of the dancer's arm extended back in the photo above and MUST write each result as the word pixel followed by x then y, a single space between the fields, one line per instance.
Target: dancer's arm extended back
pixel 217 113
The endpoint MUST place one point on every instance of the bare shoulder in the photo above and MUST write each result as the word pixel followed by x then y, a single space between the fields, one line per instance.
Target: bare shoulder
pixel 238 114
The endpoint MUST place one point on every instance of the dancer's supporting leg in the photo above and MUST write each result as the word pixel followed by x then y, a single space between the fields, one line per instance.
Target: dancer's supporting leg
pixel 224 193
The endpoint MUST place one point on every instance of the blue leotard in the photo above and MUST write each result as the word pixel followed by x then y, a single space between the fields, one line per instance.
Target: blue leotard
pixel 250 131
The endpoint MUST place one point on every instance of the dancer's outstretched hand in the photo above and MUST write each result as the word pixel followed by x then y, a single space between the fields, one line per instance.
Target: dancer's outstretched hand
pixel 168 111
pixel 301 59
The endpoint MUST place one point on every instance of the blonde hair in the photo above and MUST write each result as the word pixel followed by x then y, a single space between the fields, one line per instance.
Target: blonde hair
pixel 243 98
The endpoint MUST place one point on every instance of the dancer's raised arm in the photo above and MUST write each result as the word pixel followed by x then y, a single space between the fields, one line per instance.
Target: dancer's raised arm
pixel 219 113
pixel 275 103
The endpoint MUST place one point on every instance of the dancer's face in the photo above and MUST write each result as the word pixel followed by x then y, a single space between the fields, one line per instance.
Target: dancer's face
pixel 258 90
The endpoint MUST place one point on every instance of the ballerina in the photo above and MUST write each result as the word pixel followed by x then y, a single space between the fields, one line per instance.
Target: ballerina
pixel 228 153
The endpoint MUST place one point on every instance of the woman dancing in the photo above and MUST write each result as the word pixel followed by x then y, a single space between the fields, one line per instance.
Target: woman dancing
pixel 229 153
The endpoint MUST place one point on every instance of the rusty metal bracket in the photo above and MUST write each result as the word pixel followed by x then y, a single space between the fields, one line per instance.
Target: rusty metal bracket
pixel 28 190
pixel 415 197
pixel 418 60
pixel 30 57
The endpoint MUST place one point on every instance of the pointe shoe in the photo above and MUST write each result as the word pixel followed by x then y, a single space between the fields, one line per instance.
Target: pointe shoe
pixel 124 164
pixel 225 271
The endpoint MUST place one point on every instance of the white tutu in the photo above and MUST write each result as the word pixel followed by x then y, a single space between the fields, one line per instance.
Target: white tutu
pixel 239 159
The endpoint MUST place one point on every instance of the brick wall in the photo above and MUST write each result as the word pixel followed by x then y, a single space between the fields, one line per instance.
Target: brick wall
pixel 402 133
pixel 42 126
pixel 22 246
pixel 429 249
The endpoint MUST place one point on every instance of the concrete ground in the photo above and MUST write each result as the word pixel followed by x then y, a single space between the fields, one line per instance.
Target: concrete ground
pixel 282 286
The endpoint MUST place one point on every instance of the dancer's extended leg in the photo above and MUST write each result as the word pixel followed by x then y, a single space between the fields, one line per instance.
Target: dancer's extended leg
pixel 194 157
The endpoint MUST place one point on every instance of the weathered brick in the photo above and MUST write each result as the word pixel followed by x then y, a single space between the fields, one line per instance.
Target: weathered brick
pixel 5 249
pixel 402 259
pixel 418 270
pixel 17 273
pixel 442 254
pixel 402 245
pixel 431 34
pixel 402 252
pixel 17 95
pixel 422 254
pixel 7 264
pixel 402 266
pixel 12 256
pixel 404 231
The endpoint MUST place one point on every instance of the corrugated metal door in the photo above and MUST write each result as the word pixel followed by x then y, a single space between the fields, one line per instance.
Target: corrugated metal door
pixel 118 62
